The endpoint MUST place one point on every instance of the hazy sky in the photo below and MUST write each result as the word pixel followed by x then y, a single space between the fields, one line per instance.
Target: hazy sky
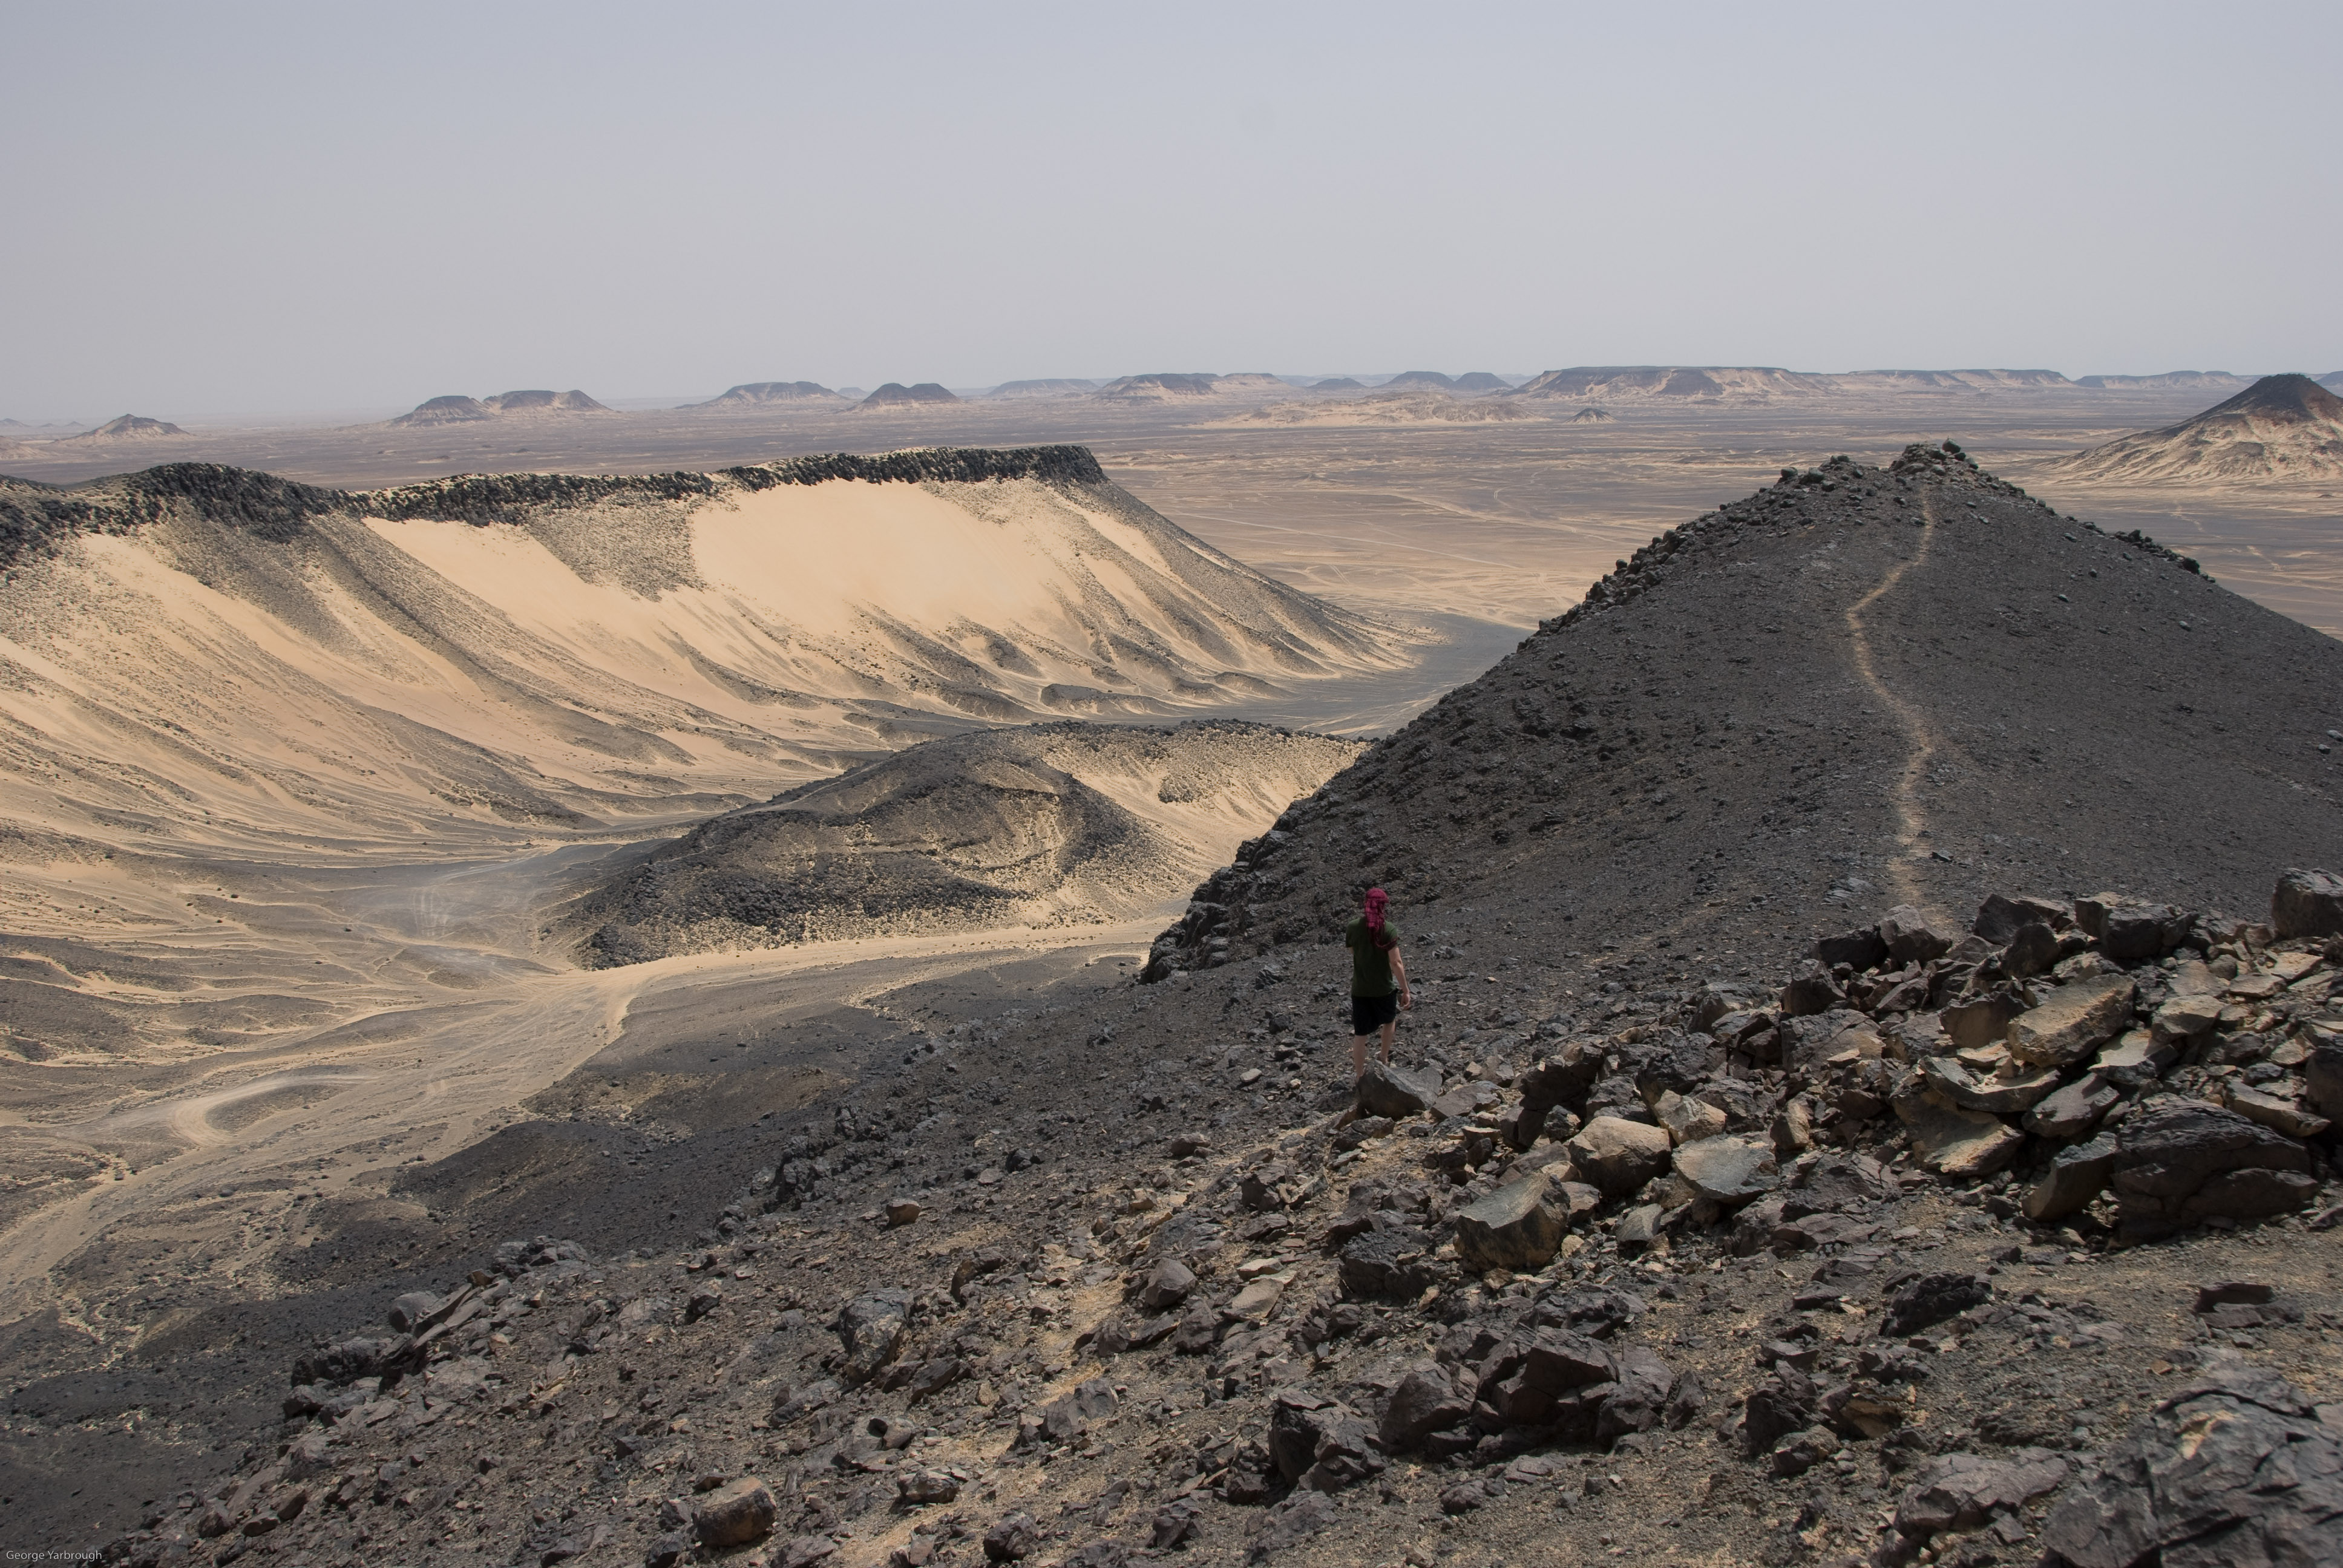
pixel 221 207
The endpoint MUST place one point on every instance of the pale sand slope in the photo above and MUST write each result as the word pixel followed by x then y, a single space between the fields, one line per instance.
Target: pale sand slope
pixel 273 765
pixel 361 684
pixel 208 1171
pixel 290 1034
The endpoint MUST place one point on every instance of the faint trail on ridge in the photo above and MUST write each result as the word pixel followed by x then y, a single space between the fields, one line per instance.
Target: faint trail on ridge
pixel 1921 739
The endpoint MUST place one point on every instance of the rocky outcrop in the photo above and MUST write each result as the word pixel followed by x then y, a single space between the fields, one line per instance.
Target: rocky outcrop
pixel 2237 1467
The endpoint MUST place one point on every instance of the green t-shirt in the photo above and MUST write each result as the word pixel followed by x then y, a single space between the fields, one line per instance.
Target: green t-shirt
pixel 1371 970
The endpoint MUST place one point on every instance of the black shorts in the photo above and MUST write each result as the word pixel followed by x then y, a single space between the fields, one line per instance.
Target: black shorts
pixel 1370 1013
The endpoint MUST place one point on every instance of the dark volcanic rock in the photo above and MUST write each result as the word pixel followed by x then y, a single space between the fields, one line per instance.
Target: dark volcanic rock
pixel 2180 1161
pixel 2236 1469
pixel 2308 904
pixel 1931 1299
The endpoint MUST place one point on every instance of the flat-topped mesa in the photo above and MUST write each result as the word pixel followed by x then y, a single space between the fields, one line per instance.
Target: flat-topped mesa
pixel 757 394
pixel 458 409
pixel 658 643
pixel 270 507
pixel 1693 383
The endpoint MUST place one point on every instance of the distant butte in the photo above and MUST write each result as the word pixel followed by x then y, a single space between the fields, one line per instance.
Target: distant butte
pixel 895 392
pixel 754 394
pixel 456 409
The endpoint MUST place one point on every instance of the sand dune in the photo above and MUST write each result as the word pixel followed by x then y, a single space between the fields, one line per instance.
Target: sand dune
pixel 205 658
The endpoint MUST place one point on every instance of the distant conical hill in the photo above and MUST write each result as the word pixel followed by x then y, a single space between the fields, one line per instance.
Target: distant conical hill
pixel 1860 686
pixel 130 427
pixel 2282 427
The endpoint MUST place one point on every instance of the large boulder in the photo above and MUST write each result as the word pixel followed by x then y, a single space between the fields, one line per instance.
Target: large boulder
pixel 1951 1141
pixel 2275 1111
pixel 2128 930
pixel 2308 904
pixel 1980 1022
pixel 1858 950
pixel 1387 1264
pixel 1931 1298
pixel 1964 1490
pixel 737 1514
pixel 2135 933
pixel 2077 1174
pixel 1999 918
pixel 2185 1020
pixel 1827 1040
pixel 1319 1444
pixel 1617 1156
pixel 1728 1172
pixel 1167 1285
pixel 2233 1469
pixel 1425 1401
pixel 2322 1076
pixel 1386 1090
pixel 870 1329
pixel 2010 1096
pixel 1552 1378
pixel 1914 936
pixel 2074 1110
pixel 2180 1162
pixel 1518 1227
pixel 1811 990
pixel 1561 1079
pixel 2071 1020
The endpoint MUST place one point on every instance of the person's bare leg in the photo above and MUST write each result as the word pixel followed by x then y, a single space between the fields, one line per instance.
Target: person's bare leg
pixel 1390 1033
pixel 1359 1057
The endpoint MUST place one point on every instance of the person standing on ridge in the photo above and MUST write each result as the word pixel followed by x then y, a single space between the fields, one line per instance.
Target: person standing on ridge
pixel 1378 979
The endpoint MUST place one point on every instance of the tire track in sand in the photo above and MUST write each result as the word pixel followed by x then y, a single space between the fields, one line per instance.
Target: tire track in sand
pixel 1920 736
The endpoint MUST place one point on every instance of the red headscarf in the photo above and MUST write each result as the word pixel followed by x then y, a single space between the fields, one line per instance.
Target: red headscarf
pixel 1377 902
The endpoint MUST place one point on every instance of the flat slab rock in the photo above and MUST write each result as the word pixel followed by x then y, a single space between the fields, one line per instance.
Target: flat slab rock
pixel 2235 1470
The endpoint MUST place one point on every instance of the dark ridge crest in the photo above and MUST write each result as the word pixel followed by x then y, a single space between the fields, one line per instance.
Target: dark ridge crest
pixel 1062 465
pixel 38 516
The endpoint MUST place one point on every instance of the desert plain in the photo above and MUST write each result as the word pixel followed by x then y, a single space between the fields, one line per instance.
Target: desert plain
pixel 310 1034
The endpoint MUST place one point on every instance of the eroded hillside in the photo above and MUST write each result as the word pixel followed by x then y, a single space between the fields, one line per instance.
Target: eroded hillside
pixel 1046 825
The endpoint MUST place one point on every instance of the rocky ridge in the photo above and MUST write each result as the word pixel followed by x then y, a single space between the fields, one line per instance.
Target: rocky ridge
pixel 1136 1275
pixel 1714 1282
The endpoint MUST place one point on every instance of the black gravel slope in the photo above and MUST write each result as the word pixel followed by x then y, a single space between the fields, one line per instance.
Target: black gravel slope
pixel 1698 760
